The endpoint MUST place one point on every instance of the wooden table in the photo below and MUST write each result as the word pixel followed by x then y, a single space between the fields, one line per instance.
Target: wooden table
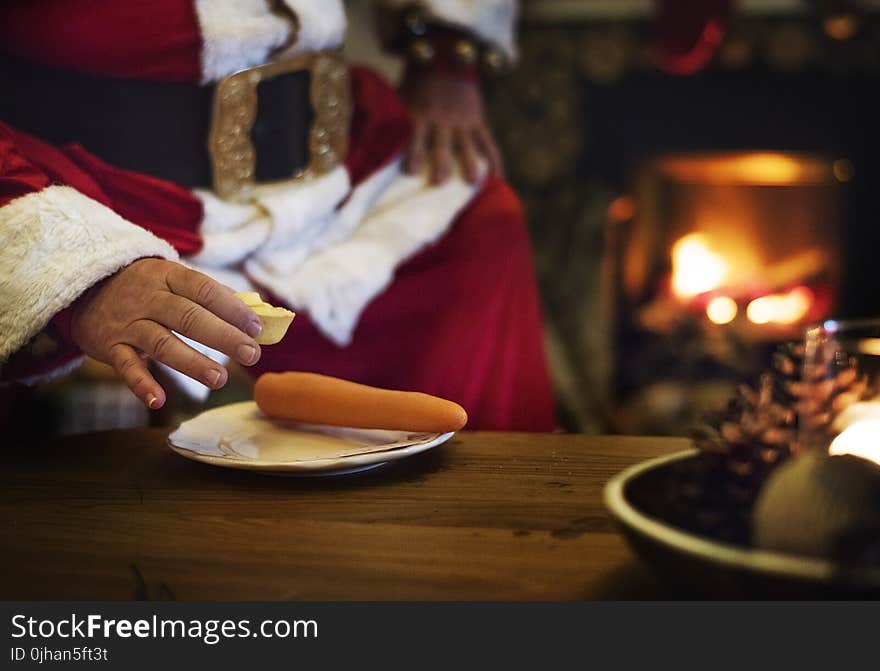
pixel 502 516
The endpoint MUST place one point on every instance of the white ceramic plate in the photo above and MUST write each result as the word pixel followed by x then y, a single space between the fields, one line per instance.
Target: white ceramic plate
pixel 240 436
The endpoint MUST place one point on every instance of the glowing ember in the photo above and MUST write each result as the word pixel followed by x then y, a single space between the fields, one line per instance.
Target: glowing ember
pixel 788 308
pixel 721 310
pixel 696 269
pixel 860 439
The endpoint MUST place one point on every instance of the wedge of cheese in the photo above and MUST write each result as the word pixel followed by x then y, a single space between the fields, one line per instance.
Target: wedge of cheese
pixel 275 320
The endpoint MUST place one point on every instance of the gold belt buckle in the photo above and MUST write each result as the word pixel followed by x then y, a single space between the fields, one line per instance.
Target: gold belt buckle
pixel 233 157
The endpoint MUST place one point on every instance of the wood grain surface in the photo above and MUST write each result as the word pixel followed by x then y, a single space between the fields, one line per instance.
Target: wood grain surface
pixel 497 516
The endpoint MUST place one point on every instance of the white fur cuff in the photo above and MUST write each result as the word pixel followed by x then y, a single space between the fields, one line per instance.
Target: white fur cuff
pixel 55 244
pixel 322 25
pixel 241 33
pixel 237 35
pixel 335 285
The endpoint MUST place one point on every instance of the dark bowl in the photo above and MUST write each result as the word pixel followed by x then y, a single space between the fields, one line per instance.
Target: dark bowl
pixel 704 567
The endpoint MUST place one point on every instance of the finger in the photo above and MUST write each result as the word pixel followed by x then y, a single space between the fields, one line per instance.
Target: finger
pixel 417 147
pixel 197 323
pixel 163 346
pixel 487 146
pixel 210 294
pixel 441 154
pixel 137 377
pixel 467 153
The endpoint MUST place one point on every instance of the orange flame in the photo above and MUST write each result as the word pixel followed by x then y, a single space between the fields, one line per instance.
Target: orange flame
pixel 787 308
pixel 696 268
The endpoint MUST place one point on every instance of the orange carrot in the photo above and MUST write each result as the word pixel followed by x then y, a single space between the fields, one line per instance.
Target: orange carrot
pixel 319 399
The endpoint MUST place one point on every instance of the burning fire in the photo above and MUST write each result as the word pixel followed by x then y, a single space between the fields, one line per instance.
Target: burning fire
pixel 787 308
pixel 696 269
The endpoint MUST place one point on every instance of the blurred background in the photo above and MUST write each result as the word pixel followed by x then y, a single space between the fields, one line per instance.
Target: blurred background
pixel 700 180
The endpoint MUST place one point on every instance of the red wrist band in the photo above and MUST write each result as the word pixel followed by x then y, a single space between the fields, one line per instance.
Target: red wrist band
pixel 444 53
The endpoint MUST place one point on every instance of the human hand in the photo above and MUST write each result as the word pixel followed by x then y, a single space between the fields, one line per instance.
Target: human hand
pixel 448 124
pixel 131 314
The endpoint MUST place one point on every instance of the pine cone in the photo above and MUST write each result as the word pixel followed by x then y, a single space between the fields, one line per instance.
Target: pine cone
pixel 759 430
pixel 760 425
pixel 829 384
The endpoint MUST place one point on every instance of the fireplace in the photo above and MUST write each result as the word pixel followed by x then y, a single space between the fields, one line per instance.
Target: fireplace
pixel 747 241
pixel 718 257
pixel 683 225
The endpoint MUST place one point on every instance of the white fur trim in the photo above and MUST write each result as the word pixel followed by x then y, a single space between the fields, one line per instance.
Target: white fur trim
pixel 331 262
pixel 284 224
pixel 361 200
pixel 323 229
pixel 221 216
pixel 237 34
pixel 492 20
pixel 230 231
pixel 55 244
pixel 322 25
pixel 230 247
pixel 301 213
pixel 336 284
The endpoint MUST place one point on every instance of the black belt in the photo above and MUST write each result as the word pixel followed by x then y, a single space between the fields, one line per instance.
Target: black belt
pixel 158 128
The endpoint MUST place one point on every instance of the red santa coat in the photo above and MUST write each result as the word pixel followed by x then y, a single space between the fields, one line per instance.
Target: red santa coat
pixel 461 317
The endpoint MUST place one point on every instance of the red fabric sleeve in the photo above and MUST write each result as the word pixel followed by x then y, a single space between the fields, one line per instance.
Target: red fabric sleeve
pixel 54 347
pixel 18 175
pixel 50 350
pixel 28 165
pixel 379 132
pixel 167 210
pixel 112 39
